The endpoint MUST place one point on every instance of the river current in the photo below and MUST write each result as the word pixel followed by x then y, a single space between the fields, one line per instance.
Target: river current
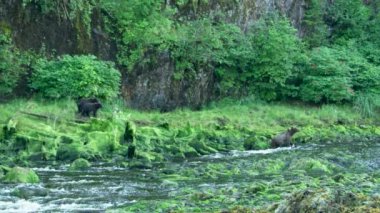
pixel 105 186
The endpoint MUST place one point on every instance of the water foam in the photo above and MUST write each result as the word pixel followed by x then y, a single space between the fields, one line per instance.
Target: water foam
pixel 19 206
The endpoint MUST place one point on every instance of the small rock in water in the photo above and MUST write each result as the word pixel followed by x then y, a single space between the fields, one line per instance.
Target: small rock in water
pixel 29 191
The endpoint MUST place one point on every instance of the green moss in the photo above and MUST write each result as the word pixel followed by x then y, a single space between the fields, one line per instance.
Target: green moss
pixel 222 126
pixel 256 188
pixel 102 143
pixel 21 175
pixel 9 128
pixel 140 164
pixel 129 133
pixel 312 166
pixel 79 164
pixel 256 143
pixel 72 151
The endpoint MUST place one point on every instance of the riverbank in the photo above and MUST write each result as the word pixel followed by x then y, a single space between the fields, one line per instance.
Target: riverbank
pixel 216 158
pixel 39 130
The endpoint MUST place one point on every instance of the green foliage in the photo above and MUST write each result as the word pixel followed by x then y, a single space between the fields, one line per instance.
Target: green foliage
pixel 80 10
pixel 79 164
pixel 143 25
pixel 278 52
pixel 196 47
pixel 268 60
pixel 21 175
pixel 366 104
pixel 260 63
pixel 315 29
pixel 337 74
pixel 369 44
pixel 75 76
pixel 10 65
pixel 347 19
pixel 327 77
pixel 202 45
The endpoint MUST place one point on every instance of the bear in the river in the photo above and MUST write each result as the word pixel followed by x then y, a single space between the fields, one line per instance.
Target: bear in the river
pixel 88 106
pixel 284 138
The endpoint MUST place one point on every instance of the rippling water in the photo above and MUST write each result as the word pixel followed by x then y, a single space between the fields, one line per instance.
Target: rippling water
pixel 105 186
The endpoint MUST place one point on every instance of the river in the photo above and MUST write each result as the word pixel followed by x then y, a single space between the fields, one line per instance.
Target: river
pixel 247 178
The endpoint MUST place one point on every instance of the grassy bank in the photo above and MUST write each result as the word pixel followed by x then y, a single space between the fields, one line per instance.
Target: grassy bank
pixel 36 130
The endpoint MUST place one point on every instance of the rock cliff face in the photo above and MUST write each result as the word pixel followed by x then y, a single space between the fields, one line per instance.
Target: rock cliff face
pixel 32 29
pixel 147 86
pixel 152 86
pixel 243 12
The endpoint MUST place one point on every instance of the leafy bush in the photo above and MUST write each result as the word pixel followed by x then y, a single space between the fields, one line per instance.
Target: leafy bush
pixel 314 27
pixel 327 77
pixel 75 76
pixel 10 66
pixel 337 74
pixel 203 45
pixel 277 53
pixel 261 62
pixel 197 47
pixel 347 19
pixel 143 25
pixel 369 45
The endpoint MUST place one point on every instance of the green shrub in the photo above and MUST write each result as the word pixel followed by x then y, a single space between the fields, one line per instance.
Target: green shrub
pixel 314 27
pixel 75 76
pixel 79 164
pixel 21 175
pixel 338 74
pixel 366 103
pixel 10 65
pixel 347 19
pixel 204 45
pixel 278 51
pixel 143 25
pixel 327 77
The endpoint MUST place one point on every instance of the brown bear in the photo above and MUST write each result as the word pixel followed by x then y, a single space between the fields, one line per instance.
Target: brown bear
pixel 284 138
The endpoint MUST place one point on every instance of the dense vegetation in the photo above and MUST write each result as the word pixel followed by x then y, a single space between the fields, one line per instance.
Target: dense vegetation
pixel 336 60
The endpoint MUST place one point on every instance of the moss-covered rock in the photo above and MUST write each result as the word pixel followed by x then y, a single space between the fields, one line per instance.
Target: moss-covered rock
pixel 70 152
pixel 256 143
pixel 21 175
pixel 313 167
pixel 102 143
pixel 79 164
pixel 29 191
pixel 129 133
pixel 140 164
pixel 9 128
pixel 256 188
pixel 3 171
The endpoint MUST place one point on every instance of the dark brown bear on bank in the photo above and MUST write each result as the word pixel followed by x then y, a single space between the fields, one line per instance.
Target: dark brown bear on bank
pixel 284 138
pixel 86 106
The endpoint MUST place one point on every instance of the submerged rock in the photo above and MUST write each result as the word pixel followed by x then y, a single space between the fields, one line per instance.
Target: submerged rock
pixel 29 191
pixel 21 175
pixel 140 164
